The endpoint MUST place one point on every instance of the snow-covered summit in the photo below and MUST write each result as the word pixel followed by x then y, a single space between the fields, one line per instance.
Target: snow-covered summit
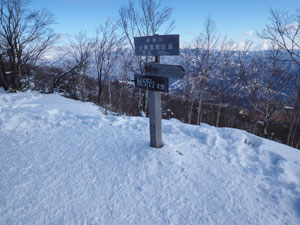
pixel 64 162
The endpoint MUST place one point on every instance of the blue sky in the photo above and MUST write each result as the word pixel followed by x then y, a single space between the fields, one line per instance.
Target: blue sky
pixel 237 19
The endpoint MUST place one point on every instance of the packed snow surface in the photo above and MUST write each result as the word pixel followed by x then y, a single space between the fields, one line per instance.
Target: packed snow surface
pixel 64 162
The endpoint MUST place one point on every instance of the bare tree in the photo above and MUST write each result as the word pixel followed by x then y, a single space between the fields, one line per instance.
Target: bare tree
pixel 3 77
pixel 75 62
pixel 267 85
pixel 79 54
pixel 25 36
pixel 243 67
pixel 147 17
pixel 284 32
pixel 206 54
pixel 108 47
pixel 292 116
pixel 143 18
pixel 190 81
pixel 224 76
pixel 126 60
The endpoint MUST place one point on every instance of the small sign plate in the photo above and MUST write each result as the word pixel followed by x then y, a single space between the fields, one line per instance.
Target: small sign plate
pixel 164 70
pixel 157 45
pixel 152 83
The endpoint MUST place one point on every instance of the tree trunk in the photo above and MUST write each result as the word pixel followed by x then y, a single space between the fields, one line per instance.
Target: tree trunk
pixel 291 129
pixel 297 145
pixel 294 135
pixel 199 113
pixel 3 75
pixel 109 92
pixel 190 110
pixel 14 69
pixel 218 115
pixel 99 91
pixel 121 98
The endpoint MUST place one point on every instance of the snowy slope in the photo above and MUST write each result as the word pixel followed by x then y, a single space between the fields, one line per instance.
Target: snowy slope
pixel 64 162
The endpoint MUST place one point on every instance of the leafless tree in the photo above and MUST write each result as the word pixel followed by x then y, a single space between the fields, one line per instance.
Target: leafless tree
pixel 3 77
pixel 206 53
pixel 79 52
pixel 190 80
pixel 143 18
pixel 284 32
pixel 243 68
pixel 75 62
pixel 291 113
pixel 126 61
pixel 267 85
pixel 25 36
pixel 108 47
pixel 223 76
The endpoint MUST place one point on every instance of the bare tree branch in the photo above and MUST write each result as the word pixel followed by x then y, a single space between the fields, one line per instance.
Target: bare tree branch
pixel 25 36
pixel 283 31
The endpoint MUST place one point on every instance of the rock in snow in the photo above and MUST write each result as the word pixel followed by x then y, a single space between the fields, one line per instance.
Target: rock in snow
pixel 64 162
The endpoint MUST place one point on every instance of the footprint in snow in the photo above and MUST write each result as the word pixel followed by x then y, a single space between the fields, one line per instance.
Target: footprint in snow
pixel 253 141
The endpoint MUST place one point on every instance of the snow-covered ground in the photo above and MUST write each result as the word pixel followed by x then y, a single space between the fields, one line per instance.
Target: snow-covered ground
pixel 64 162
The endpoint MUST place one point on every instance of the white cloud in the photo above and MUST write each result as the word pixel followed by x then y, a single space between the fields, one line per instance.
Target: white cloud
pixel 239 46
pixel 249 33
pixel 265 45
pixel 293 26
pixel 255 46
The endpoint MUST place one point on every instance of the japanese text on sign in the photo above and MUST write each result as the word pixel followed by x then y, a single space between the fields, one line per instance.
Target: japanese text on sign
pixel 151 83
pixel 157 45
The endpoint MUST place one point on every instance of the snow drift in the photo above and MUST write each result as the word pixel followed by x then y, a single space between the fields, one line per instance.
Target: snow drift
pixel 64 162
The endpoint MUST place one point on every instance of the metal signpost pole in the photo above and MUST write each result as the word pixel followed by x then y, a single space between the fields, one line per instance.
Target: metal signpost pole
pixel 157 75
pixel 155 116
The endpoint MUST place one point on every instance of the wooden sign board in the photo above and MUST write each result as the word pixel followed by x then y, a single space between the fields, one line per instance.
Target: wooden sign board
pixel 175 72
pixel 152 83
pixel 157 45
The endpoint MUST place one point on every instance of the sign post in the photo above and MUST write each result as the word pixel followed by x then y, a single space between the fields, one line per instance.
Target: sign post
pixel 164 70
pixel 151 83
pixel 157 45
pixel 156 79
pixel 155 116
